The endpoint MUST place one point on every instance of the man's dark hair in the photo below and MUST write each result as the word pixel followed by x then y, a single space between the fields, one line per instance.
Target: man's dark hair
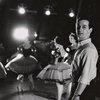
pixel 88 19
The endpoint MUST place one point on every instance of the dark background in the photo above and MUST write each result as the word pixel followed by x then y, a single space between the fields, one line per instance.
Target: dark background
pixel 47 27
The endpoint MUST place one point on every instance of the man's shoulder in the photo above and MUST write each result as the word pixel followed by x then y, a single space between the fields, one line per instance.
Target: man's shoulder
pixel 88 48
pixel 90 51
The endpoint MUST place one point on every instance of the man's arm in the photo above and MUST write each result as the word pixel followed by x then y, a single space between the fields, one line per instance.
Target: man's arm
pixel 88 73
pixel 79 90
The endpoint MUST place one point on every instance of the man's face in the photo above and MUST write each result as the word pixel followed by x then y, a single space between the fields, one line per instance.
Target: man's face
pixel 83 30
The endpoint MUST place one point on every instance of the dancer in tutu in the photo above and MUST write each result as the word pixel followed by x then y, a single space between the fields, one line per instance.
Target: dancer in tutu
pixel 58 72
pixel 24 63
pixel 3 72
pixel 71 49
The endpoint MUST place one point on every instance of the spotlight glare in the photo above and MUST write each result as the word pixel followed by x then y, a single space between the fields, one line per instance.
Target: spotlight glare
pixel 21 10
pixel 20 33
pixel 35 34
pixel 71 14
pixel 47 12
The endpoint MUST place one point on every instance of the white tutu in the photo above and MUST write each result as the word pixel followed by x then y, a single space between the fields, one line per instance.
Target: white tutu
pixel 59 72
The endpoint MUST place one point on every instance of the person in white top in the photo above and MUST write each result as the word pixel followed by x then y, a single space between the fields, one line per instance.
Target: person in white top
pixel 85 60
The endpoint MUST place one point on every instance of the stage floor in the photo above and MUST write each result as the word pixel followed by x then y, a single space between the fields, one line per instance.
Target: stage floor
pixel 42 91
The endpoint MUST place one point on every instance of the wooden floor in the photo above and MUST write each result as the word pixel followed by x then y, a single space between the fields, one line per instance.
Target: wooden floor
pixel 43 91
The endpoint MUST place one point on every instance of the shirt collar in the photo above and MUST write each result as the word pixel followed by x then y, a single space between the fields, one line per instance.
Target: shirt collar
pixel 84 42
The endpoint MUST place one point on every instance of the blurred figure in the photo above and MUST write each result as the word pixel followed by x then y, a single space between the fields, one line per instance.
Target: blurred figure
pixel 2 54
pixel 68 58
pixel 58 72
pixel 3 72
pixel 24 63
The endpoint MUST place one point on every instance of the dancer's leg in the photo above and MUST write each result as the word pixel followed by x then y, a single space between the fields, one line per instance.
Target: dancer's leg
pixel 60 90
pixel 31 80
pixel 68 90
pixel 20 82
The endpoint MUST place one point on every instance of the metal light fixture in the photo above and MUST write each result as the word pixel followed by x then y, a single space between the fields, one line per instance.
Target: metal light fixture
pixel 21 10
pixel 48 10
pixel 71 13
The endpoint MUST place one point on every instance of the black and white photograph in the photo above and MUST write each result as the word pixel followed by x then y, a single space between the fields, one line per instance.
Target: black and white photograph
pixel 49 50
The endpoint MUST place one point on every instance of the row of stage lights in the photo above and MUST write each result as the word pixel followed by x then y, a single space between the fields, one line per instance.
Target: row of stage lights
pixel 21 33
pixel 47 11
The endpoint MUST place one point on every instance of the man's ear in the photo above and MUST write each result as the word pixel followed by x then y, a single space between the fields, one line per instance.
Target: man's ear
pixel 91 30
